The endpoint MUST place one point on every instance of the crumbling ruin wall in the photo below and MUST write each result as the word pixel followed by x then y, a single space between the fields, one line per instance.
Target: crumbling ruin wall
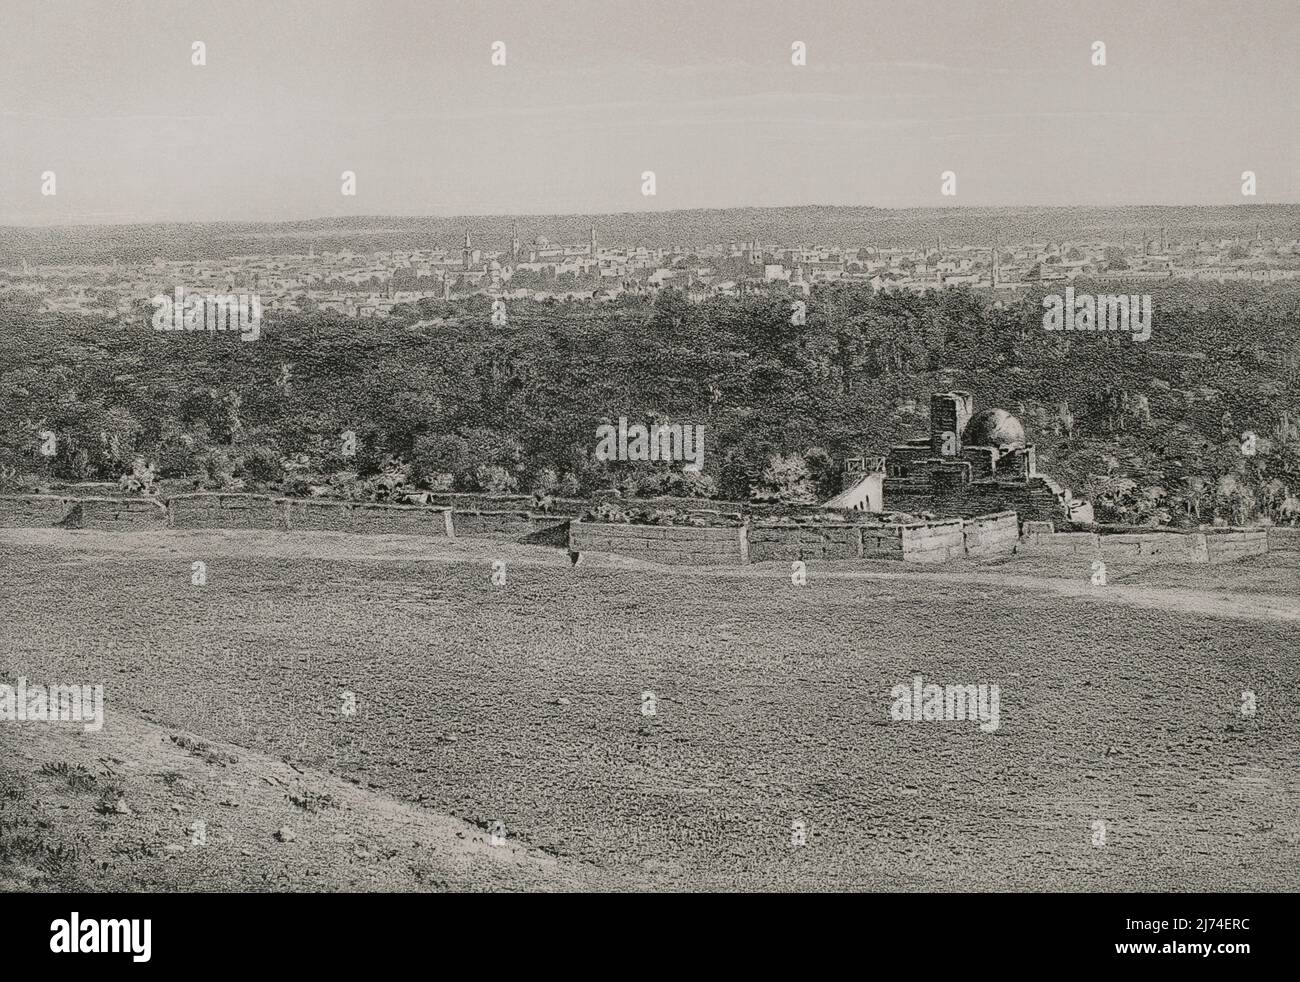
pixel 669 544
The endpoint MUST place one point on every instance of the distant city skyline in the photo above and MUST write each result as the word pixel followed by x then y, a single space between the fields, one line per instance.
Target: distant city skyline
pixel 594 93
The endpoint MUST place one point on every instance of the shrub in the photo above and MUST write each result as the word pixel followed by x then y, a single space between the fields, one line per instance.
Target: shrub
pixel 141 480
pixel 494 479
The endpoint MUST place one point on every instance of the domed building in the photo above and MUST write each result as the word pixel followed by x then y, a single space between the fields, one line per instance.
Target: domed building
pixel 972 463
pixel 994 428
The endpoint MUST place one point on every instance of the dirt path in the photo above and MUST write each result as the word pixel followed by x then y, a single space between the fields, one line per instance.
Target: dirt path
pixel 1059 579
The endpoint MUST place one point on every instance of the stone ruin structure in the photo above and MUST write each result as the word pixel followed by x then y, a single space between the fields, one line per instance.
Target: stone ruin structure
pixel 970 464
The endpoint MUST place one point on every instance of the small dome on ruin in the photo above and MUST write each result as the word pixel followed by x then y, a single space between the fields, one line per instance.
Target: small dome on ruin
pixel 993 428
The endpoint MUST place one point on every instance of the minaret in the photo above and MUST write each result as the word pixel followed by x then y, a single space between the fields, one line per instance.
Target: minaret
pixel 514 243
pixel 591 249
pixel 465 252
pixel 995 260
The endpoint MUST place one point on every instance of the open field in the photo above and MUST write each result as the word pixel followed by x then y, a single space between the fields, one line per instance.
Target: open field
pixel 523 703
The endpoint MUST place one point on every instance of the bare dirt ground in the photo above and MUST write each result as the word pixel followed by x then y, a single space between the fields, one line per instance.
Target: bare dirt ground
pixel 523 702
pixel 142 808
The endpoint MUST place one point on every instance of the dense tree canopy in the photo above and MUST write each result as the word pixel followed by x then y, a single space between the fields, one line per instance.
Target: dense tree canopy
pixel 1200 422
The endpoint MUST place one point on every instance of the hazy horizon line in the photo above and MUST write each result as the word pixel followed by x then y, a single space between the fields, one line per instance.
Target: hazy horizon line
pixel 433 216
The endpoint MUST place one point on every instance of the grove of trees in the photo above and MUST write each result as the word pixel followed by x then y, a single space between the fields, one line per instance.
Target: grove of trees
pixel 1201 423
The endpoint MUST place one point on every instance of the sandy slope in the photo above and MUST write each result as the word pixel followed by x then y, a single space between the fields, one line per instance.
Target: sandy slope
pixel 62 827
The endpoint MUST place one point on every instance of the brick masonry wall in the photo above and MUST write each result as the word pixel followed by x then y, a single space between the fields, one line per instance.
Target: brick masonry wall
pixel 368 518
pixel 33 510
pixel 669 544
pixel 227 511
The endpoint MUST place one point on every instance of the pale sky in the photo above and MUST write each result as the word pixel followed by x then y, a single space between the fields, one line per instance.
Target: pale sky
pixel 594 92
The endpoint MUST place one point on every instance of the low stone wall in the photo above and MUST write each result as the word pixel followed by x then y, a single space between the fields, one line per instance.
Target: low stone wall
pixel 791 541
pixel 917 542
pixel 1283 540
pixel 992 535
pixel 227 511
pixel 1175 547
pixel 933 542
pixel 882 542
pixel 368 518
pixel 33 510
pixel 1232 544
pixel 509 524
pixel 1040 539
pixel 120 514
pixel 1164 546
pixel 465 501
pixel 670 544
pixel 768 539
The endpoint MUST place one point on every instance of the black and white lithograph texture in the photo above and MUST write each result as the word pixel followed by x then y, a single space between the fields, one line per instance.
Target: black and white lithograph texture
pixel 593 445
